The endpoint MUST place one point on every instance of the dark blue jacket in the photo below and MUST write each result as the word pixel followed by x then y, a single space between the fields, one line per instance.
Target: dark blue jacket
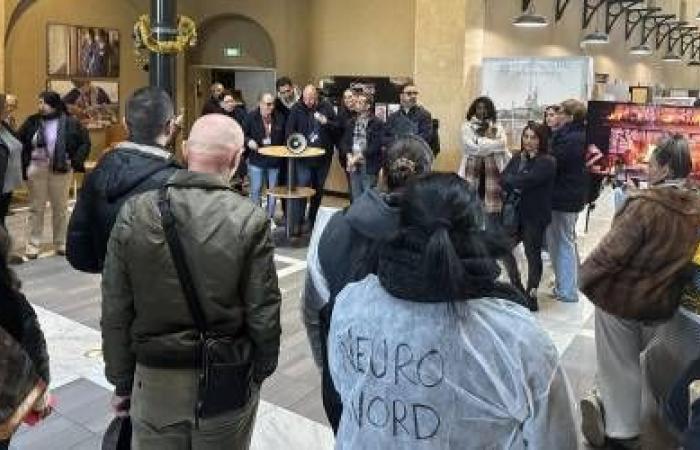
pixel 120 174
pixel 417 122
pixel 571 182
pixel 255 129
pixel 301 120
pixel 377 138
pixel 535 182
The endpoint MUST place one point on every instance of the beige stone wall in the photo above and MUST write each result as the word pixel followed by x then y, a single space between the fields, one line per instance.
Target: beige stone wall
pixel 362 37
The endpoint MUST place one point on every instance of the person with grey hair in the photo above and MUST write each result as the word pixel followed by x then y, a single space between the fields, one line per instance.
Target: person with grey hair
pixel 214 298
pixel 263 127
pixel 634 277
pixel 140 164
pixel 10 161
pixel 357 233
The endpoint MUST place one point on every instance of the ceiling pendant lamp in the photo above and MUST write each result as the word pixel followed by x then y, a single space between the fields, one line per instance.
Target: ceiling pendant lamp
pixel 595 38
pixel 671 57
pixel 641 50
pixel 530 19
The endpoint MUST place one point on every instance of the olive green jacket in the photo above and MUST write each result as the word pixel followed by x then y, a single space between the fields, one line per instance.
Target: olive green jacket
pixel 226 240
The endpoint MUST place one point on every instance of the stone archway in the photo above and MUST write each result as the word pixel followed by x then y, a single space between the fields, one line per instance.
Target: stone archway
pixel 233 30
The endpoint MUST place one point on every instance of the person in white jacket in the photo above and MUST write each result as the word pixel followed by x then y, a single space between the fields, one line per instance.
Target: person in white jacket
pixel 432 353
pixel 485 155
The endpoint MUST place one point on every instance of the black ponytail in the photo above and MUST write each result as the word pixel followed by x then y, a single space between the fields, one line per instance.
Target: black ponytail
pixel 443 265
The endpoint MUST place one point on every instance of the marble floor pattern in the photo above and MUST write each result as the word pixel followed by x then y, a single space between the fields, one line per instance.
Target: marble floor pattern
pixel 291 413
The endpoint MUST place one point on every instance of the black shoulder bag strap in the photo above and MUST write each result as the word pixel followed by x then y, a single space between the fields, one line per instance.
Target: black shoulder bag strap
pixel 178 255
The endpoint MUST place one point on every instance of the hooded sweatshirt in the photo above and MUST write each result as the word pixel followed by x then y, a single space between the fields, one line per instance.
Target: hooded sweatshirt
pixel 634 271
pixel 127 170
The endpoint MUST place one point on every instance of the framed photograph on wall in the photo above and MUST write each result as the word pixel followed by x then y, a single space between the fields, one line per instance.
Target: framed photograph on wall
pixel 94 102
pixel 640 95
pixel 81 51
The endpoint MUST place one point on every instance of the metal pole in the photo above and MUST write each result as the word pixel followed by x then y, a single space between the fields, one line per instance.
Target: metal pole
pixel 164 28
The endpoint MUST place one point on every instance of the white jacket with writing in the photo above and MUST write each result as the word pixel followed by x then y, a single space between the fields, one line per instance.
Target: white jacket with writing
pixel 480 374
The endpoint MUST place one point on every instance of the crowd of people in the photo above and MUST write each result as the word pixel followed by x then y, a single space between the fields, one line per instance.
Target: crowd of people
pixel 419 341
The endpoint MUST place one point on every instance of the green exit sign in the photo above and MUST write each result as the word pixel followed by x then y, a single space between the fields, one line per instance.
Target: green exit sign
pixel 232 52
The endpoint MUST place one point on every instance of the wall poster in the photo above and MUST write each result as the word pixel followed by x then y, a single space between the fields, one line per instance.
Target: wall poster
pixel 521 88
pixel 81 51
pixel 94 102
pixel 627 133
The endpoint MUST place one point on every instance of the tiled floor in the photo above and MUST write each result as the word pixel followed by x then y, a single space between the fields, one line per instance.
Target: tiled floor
pixel 291 414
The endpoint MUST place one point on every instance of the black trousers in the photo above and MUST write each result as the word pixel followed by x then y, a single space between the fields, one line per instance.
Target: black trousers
pixel 4 445
pixel 532 237
pixel 5 200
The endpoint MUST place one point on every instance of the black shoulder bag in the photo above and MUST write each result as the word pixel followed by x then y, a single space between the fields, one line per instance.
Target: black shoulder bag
pixel 224 363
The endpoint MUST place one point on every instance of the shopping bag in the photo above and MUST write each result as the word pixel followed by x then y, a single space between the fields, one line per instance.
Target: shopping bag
pixel 118 435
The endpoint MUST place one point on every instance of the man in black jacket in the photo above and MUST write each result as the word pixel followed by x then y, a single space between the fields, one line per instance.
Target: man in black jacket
pixel 138 165
pixel 362 146
pixel 213 105
pixel 411 119
pixel 264 127
pixel 286 97
pixel 317 122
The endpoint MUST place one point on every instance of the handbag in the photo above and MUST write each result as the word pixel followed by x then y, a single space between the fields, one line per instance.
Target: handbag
pixel 20 386
pixel 225 362
pixel 510 211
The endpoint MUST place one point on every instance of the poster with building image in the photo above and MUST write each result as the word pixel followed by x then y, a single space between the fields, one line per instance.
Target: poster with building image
pixel 521 88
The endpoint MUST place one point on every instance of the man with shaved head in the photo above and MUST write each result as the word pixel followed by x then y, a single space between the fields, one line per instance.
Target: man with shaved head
pixel 153 346
pixel 317 121
pixel 213 104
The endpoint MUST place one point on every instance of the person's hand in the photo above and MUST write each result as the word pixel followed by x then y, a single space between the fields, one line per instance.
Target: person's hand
pixel 121 405
pixel 253 145
pixel 491 132
pixel 320 118
pixel 43 407
pixel 179 120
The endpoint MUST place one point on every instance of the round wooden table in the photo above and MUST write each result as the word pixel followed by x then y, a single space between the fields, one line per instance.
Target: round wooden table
pixel 290 191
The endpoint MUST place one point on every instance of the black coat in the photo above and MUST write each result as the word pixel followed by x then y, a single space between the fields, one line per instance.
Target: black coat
pixel 417 122
pixel 255 129
pixel 121 173
pixel 571 182
pixel 4 156
pixel 535 183
pixel 345 116
pixel 301 120
pixel 72 142
pixel 282 109
pixel 377 138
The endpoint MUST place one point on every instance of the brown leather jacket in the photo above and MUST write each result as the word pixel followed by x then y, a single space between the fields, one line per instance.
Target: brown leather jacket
pixel 635 271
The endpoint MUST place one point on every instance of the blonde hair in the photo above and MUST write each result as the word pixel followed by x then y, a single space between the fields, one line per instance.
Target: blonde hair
pixel 575 109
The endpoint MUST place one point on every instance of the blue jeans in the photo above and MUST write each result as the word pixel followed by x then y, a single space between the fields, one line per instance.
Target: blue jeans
pixel 561 241
pixel 258 176
pixel 309 174
pixel 361 181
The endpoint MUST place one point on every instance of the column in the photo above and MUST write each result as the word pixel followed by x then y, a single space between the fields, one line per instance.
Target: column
pixel 164 28
pixel 3 20
pixel 449 41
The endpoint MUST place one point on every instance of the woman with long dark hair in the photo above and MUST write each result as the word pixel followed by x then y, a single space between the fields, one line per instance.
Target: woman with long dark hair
pixel 485 155
pixel 55 145
pixel 18 320
pixel 530 176
pixel 431 352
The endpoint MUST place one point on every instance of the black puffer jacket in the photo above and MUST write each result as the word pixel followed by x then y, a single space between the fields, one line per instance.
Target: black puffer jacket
pixel 571 182
pixel 128 170
pixel 72 143
pixel 535 182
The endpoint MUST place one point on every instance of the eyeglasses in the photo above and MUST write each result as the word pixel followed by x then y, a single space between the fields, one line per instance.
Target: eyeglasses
pixel 285 91
pixel 268 104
